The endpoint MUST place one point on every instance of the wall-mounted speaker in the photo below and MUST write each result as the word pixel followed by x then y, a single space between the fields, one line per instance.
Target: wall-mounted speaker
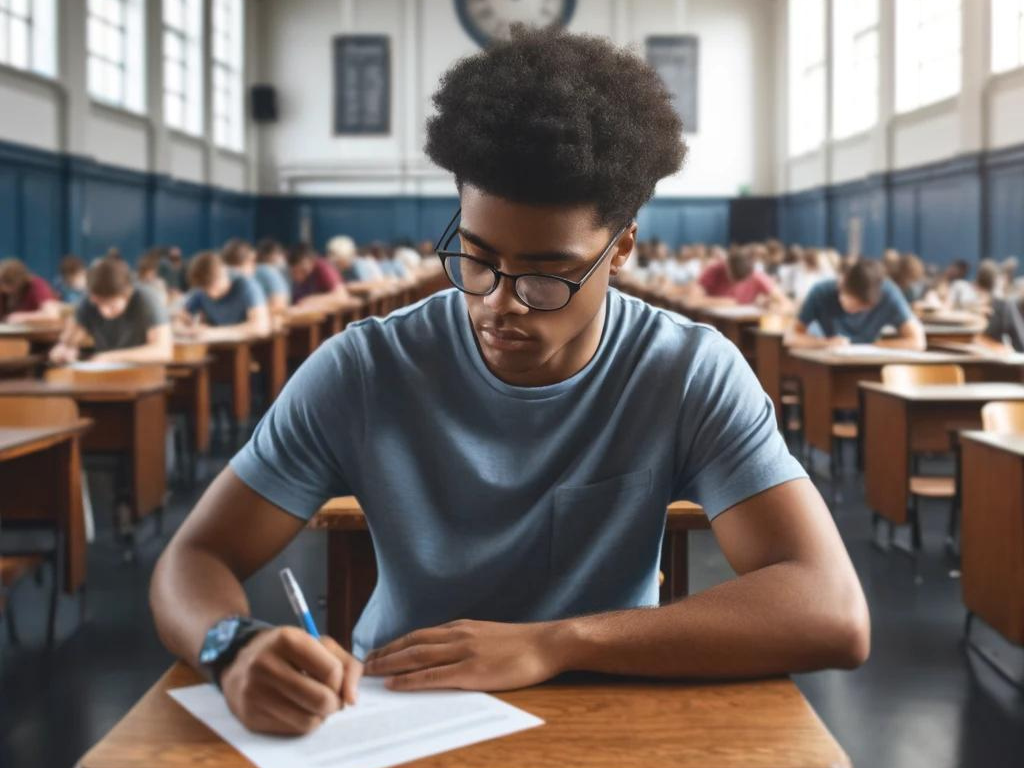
pixel 264 103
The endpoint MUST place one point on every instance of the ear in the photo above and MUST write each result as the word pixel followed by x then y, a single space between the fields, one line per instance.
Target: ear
pixel 623 249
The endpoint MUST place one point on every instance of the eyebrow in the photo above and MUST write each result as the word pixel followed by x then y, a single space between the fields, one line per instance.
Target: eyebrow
pixel 541 256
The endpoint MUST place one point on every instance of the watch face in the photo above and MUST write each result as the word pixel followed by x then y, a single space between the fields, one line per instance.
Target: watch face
pixel 218 639
pixel 487 20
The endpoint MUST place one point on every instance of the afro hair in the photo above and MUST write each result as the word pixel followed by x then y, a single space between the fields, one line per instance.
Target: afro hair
pixel 550 118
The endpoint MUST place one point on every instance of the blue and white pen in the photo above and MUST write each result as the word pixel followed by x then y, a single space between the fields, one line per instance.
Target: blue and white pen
pixel 298 601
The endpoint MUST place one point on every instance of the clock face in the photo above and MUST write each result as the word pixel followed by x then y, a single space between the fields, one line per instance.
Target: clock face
pixel 488 20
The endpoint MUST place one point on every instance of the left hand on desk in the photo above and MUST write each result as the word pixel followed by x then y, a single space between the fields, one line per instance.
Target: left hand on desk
pixel 474 655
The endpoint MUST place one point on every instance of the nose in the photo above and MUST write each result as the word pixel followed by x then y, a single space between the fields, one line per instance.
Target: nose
pixel 504 300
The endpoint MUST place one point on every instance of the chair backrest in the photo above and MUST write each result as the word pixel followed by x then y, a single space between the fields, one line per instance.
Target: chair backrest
pixel 14 348
pixel 1003 417
pixel 37 411
pixel 188 351
pixel 911 375
pixel 134 375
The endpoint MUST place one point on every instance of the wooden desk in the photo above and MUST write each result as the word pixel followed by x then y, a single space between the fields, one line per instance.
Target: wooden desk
pixel 589 721
pixel 303 336
pixel 901 421
pixel 232 365
pixel 352 568
pixel 829 381
pixel 992 536
pixel 271 354
pixel 41 336
pixel 939 335
pixel 20 365
pixel 191 396
pixel 130 420
pixel 41 477
pixel 773 363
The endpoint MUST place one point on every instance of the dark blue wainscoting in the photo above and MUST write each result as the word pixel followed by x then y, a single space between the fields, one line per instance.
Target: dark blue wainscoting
pixel 50 204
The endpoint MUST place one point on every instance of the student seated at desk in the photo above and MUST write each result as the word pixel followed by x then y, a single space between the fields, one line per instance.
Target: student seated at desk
pixel 148 275
pixel 70 284
pixel 173 271
pixel 314 280
pixel 24 297
pixel 271 254
pixel 855 309
pixel 241 258
pixel 736 280
pixel 126 322
pixel 1005 331
pixel 509 442
pixel 229 302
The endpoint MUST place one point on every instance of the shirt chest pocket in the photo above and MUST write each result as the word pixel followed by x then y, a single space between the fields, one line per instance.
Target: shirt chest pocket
pixel 606 533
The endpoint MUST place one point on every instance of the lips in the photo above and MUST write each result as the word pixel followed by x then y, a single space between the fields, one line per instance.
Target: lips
pixel 504 338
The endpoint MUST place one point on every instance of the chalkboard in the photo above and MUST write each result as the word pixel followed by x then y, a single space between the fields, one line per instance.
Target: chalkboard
pixel 362 84
pixel 674 57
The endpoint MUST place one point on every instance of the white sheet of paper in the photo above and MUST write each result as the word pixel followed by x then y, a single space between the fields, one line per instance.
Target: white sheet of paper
pixel 872 350
pixel 99 365
pixel 384 728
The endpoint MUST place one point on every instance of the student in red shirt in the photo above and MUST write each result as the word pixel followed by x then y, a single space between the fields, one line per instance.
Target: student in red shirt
pixel 25 297
pixel 734 280
pixel 314 280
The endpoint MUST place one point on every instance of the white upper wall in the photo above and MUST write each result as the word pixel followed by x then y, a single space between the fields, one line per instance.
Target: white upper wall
pixel 734 147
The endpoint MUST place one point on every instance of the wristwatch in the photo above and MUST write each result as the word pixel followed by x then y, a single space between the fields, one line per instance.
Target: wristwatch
pixel 223 642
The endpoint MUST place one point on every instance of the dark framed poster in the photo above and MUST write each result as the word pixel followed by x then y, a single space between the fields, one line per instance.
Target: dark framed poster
pixel 362 84
pixel 675 58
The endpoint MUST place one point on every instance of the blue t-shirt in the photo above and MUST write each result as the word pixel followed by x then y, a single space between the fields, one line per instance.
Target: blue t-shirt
pixel 822 306
pixel 497 502
pixel 233 307
pixel 273 282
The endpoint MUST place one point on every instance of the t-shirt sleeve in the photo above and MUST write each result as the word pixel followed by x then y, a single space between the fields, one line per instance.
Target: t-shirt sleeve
pixel 729 445
pixel 305 450
pixel 84 314
pixel 709 278
pixel 327 277
pixel 37 293
pixel 899 309
pixel 194 302
pixel 252 294
pixel 152 312
pixel 811 307
pixel 997 325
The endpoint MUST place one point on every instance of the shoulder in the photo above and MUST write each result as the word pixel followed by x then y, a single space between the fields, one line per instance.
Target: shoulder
pixel 661 333
pixel 40 287
pixel 823 289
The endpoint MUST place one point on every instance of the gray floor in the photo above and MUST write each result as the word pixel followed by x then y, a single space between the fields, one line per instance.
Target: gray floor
pixel 919 701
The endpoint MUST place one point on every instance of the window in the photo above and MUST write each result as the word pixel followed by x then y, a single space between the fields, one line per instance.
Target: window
pixel 854 66
pixel 183 65
pixel 927 52
pixel 115 67
pixel 1007 34
pixel 806 75
pixel 27 35
pixel 228 106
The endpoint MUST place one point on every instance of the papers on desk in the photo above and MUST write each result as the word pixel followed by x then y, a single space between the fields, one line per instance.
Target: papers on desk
pixel 14 328
pixel 99 365
pixel 385 728
pixel 738 312
pixel 872 350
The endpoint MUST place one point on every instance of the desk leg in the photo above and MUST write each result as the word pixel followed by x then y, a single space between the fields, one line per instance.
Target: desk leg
pixel 351 576
pixel 675 565
pixel 818 405
pixel 147 455
pixel 201 411
pixel 278 365
pixel 240 384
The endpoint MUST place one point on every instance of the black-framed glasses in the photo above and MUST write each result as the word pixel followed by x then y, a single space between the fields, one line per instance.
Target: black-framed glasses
pixel 544 293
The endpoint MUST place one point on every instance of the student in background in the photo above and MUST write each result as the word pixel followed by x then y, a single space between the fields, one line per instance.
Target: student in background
pixel 1005 331
pixel 908 274
pixel 271 253
pixel 173 271
pixel 978 294
pixel 514 441
pixel 314 280
pixel 25 297
pixel 148 275
pixel 126 322
pixel 241 258
pixel 855 309
pixel 229 302
pixel 70 282
pixel 813 267
pixel 736 280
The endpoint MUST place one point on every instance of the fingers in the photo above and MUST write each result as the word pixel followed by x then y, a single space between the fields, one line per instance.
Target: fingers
pixel 448 676
pixel 415 658
pixel 352 669
pixel 276 714
pixel 419 637
pixel 310 656
pixel 301 690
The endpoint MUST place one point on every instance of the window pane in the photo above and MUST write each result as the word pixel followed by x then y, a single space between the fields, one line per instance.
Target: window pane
pixel 4 53
pixel 18 52
pixel 172 47
pixel 172 110
pixel 173 13
pixel 18 7
pixel 174 80
pixel 928 48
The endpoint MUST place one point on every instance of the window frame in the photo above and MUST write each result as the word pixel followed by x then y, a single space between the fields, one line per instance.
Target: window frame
pixel 227 75
pixel 997 23
pixel 7 15
pixel 902 103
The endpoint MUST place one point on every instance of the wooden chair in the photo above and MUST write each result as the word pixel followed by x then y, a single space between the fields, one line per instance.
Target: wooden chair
pixel 1004 418
pixel 14 566
pixel 14 348
pixel 189 351
pixel 927 486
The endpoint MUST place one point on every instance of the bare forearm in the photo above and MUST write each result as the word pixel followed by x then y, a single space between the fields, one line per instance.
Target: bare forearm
pixel 191 591
pixel 775 620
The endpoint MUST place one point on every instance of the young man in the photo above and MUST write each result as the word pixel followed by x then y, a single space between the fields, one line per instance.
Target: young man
pixel 1005 331
pixel 174 271
pixel 270 255
pixel 126 322
pixel 241 258
pixel 855 309
pixel 222 300
pixel 509 444
pixel 70 284
pixel 736 280
pixel 314 281
pixel 24 297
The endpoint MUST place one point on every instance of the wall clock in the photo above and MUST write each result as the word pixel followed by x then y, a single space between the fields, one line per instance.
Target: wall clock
pixel 489 20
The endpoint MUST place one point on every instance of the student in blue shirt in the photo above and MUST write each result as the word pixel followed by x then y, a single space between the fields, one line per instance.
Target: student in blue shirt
pixel 70 283
pixel 854 309
pixel 514 440
pixel 234 303
pixel 240 257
